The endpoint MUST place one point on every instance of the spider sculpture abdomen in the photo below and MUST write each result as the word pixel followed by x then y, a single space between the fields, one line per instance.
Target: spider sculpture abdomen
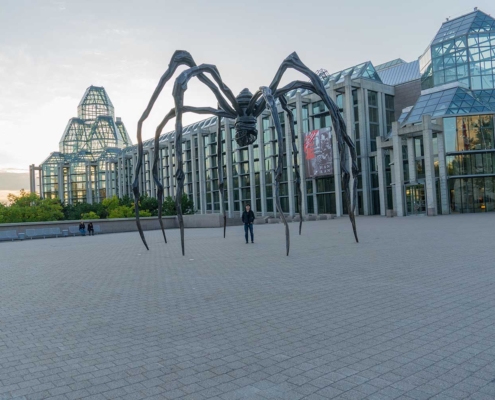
pixel 245 125
pixel 246 132
pixel 244 110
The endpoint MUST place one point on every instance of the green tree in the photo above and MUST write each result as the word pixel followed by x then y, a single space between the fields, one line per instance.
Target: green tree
pixel 186 204
pixel 126 201
pixel 127 212
pixel 76 211
pixel 110 204
pixel 149 204
pixel 101 210
pixel 29 207
pixel 90 215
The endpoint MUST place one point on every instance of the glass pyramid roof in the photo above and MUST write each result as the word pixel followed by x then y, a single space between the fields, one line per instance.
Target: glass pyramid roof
pixel 94 103
pixel 486 97
pixel 389 64
pixel 54 158
pixel 476 21
pixel 363 70
pixel 482 23
pixel 95 130
pixel 404 115
pixel 450 101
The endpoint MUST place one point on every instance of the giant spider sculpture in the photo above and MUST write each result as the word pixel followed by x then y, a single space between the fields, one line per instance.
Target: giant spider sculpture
pixel 244 109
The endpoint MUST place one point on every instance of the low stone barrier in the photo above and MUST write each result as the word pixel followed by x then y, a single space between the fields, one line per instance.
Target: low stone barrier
pixel 148 223
pixel 128 224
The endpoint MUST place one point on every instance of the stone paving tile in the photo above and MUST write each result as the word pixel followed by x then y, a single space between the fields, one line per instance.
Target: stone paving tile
pixel 408 313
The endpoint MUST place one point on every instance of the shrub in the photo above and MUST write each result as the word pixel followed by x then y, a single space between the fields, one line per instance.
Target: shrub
pixel 90 215
pixel 186 204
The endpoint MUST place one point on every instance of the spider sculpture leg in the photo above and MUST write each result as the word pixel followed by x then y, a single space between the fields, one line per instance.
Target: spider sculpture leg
pixel 180 57
pixel 220 174
pixel 343 139
pixel 158 183
pixel 180 87
pixel 159 129
pixel 270 102
pixel 292 132
pixel 341 143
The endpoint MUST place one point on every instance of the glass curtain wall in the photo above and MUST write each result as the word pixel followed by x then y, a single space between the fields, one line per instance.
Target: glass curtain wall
pixel 469 143
pixel 78 180
pixel 50 181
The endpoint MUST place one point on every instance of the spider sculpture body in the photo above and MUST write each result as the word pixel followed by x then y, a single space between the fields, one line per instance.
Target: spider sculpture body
pixel 244 109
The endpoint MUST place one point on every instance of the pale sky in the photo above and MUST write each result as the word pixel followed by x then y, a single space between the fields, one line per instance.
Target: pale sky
pixel 52 50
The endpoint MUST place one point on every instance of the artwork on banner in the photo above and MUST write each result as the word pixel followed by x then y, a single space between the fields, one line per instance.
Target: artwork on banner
pixel 318 152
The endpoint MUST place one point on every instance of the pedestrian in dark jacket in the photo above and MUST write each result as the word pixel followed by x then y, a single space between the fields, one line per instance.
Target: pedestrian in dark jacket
pixel 248 219
pixel 91 230
pixel 82 229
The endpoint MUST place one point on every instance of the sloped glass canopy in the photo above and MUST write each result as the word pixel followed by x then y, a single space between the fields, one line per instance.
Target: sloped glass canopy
pixel 482 23
pixel 104 133
pixel 451 101
pixel 486 97
pixel 55 158
pixel 75 137
pixel 123 132
pixel 389 64
pixel 457 27
pixel 363 70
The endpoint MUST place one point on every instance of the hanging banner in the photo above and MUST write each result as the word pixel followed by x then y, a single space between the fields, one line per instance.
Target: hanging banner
pixel 319 153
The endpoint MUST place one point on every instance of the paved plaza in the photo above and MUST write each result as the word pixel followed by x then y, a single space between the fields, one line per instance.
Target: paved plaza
pixel 407 313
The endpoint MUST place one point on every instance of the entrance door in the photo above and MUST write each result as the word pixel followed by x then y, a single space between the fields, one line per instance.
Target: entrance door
pixel 415 199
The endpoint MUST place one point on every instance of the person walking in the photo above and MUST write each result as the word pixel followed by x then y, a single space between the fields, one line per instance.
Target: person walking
pixel 248 219
pixel 91 230
pixel 82 229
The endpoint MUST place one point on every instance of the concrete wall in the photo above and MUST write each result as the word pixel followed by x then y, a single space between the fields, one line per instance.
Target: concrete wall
pixel 129 224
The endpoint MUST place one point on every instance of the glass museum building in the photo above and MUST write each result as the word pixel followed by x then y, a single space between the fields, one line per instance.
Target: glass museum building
pixel 423 130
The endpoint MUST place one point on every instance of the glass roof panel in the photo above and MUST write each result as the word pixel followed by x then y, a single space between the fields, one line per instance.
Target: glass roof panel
pixel 389 64
pixel 94 103
pixel 476 21
pixel 450 101
pixel 55 158
pixel 356 71
pixel 369 72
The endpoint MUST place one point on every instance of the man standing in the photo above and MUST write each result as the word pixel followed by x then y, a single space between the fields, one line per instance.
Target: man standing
pixel 248 219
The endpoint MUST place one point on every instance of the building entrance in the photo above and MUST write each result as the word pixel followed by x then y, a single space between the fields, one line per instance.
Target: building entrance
pixel 415 199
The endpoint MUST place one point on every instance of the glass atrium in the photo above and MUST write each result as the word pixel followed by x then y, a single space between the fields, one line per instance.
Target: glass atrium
pixel 77 172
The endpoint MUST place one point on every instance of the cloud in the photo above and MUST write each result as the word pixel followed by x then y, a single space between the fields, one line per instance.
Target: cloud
pixel 14 181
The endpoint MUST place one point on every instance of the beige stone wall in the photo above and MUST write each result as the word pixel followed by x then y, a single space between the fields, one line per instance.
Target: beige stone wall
pixel 128 224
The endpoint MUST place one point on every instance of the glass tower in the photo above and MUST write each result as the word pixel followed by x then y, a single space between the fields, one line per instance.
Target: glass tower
pixel 463 51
